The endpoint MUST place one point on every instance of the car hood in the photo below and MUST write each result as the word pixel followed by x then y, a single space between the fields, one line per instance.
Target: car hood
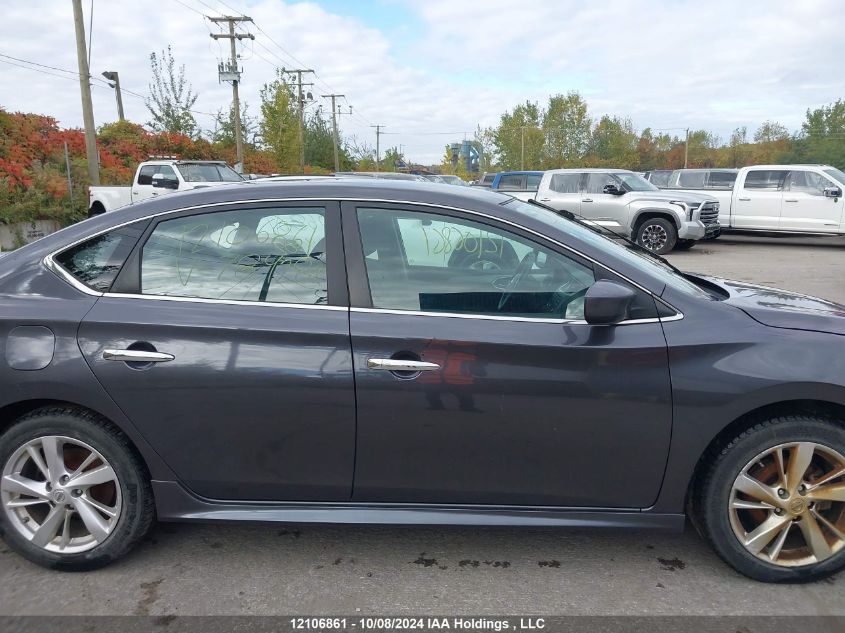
pixel 782 308
pixel 668 196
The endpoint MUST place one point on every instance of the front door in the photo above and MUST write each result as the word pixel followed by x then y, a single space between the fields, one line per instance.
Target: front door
pixel 605 209
pixel 477 380
pixel 228 347
pixel 805 207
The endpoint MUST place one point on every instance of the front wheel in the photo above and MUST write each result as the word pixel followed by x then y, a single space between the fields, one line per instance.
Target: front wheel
pixel 773 501
pixel 658 235
pixel 74 495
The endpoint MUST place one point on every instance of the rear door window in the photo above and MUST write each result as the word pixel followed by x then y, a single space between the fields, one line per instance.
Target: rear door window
pixel 692 179
pixel 765 179
pixel 512 182
pixel 565 183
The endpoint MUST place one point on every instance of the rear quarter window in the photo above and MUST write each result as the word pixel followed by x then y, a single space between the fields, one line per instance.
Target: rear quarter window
pixel 97 261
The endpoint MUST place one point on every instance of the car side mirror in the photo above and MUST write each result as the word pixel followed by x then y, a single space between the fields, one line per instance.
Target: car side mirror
pixel 832 192
pixel 607 303
pixel 160 181
pixel 613 190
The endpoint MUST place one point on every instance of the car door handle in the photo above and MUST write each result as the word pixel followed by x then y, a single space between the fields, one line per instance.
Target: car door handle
pixel 744 199
pixel 586 199
pixel 545 199
pixel 136 356
pixel 790 199
pixel 390 364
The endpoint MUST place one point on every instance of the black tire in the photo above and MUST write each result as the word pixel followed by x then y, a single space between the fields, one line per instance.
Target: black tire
pixel 658 235
pixel 96 209
pixel 711 500
pixel 684 245
pixel 138 508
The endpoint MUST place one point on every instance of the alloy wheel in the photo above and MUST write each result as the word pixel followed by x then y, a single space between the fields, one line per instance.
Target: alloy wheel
pixel 787 505
pixel 654 237
pixel 60 494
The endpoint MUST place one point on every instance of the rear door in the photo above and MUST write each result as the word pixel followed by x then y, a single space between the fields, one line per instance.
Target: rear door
pixel 758 200
pixel 563 191
pixel 477 380
pixel 805 207
pixel 225 339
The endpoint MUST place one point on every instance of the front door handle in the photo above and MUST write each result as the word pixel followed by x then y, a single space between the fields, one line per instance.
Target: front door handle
pixel 790 199
pixel 136 356
pixel 390 364
pixel 744 199
pixel 586 199
pixel 545 199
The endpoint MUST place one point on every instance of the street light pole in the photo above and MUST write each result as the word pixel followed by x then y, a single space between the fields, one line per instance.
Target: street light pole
pixel 112 75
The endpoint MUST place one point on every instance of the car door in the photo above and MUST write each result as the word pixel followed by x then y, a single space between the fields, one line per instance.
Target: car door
pixel 225 339
pixel 143 188
pixel 602 208
pixel 563 191
pixel 805 207
pixel 758 202
pixel 477 380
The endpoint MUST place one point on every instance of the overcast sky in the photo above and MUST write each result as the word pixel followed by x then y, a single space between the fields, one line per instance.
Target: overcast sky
pixel 432 70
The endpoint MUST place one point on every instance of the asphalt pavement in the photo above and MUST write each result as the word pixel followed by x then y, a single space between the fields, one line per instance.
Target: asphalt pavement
pixel 189 569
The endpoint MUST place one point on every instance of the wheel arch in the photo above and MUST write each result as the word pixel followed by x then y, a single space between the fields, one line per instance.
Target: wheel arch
pixel 12 412
pixel 834 411
pixel 648 213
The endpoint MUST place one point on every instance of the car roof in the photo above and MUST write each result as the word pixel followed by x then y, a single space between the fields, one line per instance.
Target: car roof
pixel 597 170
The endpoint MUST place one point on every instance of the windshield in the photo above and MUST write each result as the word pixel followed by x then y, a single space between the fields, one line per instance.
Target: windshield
pixel 836 174
pixel 633 182
pixel 208 172
pixel 598 238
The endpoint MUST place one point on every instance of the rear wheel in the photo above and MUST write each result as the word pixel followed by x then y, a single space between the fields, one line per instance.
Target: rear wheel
pixel 74 495
pixel 773 502
pixel 658 235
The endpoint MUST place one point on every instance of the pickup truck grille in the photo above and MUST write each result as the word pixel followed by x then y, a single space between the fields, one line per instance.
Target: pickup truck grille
pixel 709 213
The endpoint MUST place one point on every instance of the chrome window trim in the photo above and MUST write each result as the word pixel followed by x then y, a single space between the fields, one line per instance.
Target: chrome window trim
pixel 238 302
pixel 50 263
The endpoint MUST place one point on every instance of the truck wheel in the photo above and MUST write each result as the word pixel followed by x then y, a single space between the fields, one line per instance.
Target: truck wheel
pixel 684 245
pixel 96 209
pixel 657 235
pixel 772 502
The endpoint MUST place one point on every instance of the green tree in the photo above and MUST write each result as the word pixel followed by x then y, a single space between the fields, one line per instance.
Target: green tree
pixel 822 137
pixel 171 97
pixel 738 147
pixel 613 143
pixel 484 140
pixel 279 123
pixel 770 132
pixel 223 133
pixel 518 139
pixel 566 128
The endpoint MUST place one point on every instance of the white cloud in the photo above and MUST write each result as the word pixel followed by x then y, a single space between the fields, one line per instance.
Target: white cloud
pixel 664 63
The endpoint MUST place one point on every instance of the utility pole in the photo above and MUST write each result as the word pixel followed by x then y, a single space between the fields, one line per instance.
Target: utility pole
pixel 378 146
pixel 686 149
pixel 231 73
pixel 112 75
pixel 522 152
pixel 85 89
pixel 334 129
pixel 301 99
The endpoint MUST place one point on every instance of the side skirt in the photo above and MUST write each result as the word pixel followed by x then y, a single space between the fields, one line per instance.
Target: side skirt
pixel 174 503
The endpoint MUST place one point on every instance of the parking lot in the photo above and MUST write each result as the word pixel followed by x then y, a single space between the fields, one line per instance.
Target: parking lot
pixel 271 569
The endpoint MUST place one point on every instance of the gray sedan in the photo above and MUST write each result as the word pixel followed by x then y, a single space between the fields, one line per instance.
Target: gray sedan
pixel 372 351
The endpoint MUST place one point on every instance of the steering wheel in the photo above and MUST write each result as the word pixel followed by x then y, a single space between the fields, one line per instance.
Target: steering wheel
pixel 525 265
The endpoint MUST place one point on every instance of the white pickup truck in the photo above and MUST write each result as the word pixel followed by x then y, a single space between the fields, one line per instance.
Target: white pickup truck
pixel 778 198
pixel 157 177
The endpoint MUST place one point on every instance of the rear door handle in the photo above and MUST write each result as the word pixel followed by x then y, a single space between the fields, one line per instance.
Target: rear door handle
pixel 545 199
pixel 390 364
pixel 790 199
pixel 136 356
pixel 586 199
pixel 744 199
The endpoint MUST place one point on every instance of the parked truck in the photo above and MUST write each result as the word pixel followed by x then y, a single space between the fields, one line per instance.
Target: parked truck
pixel 799 199
pixel 627 204
pixel 519 184
pixel 158 177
